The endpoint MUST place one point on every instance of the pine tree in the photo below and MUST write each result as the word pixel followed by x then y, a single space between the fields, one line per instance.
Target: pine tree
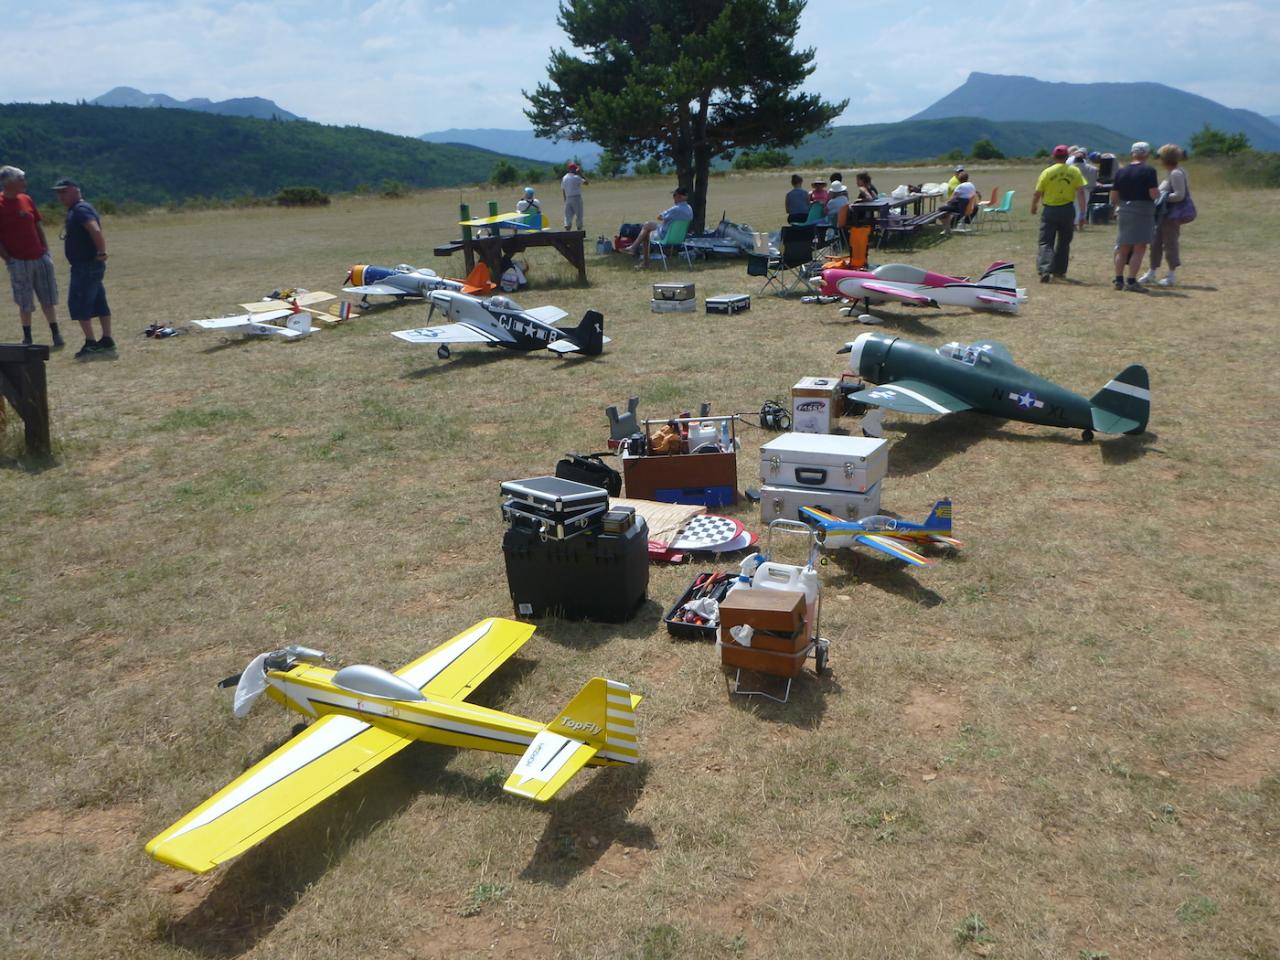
pixel 680 81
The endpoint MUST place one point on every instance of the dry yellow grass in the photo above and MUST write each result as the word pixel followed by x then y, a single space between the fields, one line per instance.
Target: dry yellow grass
pixel 1090 687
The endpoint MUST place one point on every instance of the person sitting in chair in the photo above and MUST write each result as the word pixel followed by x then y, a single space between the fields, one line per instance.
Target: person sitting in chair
pixel 679 210
pixel 866 189
pixel 958 205
pixel 839 198
pixel 819 193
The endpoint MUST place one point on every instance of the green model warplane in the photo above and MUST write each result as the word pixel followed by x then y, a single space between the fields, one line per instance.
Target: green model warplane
pixel 982 376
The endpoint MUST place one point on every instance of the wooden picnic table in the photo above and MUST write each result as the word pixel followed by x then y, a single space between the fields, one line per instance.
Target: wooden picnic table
pixel 491 250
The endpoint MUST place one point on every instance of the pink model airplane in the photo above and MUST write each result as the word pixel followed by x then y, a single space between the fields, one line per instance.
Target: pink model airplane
pixel 901 282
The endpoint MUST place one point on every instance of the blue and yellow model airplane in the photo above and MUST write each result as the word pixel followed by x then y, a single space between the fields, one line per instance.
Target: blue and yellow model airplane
pixel 364 715
pixel 886 534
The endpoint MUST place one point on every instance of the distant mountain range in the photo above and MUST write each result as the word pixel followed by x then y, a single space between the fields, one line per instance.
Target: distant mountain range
pixel 161 156
pixel 522 142
pixel 922 139
pixel 1151 111
pixel 237 107
pixel 1275 118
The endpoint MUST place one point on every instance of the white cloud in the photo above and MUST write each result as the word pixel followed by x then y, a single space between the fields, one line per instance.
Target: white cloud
pixel 415 65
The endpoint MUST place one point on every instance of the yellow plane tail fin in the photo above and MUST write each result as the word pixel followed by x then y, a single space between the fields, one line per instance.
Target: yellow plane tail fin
pixel 599 720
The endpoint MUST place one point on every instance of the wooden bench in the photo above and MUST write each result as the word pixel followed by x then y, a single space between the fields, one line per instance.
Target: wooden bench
pixel 908 229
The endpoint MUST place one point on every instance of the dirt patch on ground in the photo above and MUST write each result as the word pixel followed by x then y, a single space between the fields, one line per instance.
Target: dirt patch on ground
pixel 105 828
pixel 484 936
pixel 932 711
pixel 1256 757
pixel 1201 693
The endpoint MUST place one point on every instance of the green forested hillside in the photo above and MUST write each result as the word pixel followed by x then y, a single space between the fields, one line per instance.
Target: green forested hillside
pixel 158 156
pixel 921 139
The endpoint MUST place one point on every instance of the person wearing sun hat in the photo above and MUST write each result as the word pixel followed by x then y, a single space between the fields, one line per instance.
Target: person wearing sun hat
pixel 1061 187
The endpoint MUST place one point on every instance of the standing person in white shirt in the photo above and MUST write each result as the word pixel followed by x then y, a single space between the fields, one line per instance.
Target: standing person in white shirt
pixel 571 185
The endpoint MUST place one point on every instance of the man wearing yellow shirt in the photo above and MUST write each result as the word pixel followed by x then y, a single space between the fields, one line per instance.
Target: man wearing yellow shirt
pixel 1060 186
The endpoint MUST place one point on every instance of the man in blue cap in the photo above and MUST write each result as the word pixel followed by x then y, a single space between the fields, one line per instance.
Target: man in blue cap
pixel 86 251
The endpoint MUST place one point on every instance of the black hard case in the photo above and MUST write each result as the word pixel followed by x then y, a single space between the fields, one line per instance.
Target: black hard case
pixel 553 508
pixel 595 576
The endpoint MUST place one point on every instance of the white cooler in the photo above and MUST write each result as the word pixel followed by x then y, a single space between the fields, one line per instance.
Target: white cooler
pixel 824 462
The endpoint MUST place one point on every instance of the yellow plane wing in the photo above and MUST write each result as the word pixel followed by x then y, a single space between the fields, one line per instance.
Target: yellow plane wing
pixel 315 764
pixel 454 669
pixel 490 221
pixel 551 760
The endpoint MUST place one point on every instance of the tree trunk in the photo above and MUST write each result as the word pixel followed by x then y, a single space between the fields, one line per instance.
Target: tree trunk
pixel 701 167
pixel 682 155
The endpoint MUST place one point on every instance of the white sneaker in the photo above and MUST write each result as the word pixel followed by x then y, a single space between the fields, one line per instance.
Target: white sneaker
pixel 1147 277
pixel 1168 280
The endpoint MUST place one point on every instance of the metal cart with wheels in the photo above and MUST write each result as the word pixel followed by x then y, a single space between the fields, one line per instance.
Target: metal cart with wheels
pixel 782 666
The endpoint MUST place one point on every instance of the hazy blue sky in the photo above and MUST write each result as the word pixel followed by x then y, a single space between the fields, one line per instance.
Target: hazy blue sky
pixel 410 66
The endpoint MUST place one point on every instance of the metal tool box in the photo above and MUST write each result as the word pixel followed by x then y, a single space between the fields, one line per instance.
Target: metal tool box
pixel 729 303
pixel 824 461
pixel 784 503
pixel 553 508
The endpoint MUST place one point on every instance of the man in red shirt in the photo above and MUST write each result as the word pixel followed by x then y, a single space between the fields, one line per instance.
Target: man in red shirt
pixel 25 251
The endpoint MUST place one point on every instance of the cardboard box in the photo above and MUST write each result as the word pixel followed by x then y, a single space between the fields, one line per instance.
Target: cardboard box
pixel 815 404
pixel 853 464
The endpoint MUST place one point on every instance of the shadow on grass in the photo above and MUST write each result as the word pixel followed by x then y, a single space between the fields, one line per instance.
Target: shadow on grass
pixel 586 634
pixel 925 445
pixel 585 824
pixel 898 322
pixel 891 576
pixel 478 357
pixel 257 891
pixel 806 706
pixel 1126 448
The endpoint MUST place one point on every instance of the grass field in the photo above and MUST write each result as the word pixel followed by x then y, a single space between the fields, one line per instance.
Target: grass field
pixel 1064 743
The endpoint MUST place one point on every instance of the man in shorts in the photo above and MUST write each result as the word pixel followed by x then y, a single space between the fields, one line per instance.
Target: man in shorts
pixel 86 250
pixel 25 251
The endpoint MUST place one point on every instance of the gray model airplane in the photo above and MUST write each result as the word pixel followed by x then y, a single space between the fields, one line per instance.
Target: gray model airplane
pixel 982 376
pixel 406 281
pixel 501 322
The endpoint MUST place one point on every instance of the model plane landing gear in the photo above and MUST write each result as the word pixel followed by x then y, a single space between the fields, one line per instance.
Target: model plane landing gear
pixel 443 352
pixel 1087 436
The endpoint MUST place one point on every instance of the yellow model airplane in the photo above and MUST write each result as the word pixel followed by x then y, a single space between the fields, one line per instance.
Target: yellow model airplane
pixel 365 715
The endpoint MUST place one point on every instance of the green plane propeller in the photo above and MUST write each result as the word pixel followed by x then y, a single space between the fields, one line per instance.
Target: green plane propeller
pixel 982 376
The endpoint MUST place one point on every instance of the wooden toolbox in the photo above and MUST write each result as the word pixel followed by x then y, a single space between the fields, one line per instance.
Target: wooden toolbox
pixel 764 661
pixel 778 617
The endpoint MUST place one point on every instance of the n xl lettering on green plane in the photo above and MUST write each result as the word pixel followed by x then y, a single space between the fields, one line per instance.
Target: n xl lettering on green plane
pixel 982 376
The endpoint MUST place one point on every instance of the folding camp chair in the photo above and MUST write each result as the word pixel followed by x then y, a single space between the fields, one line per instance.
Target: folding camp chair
pixel 674 241
pixel 966 222
pixel 790 268
pixel 1002 214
